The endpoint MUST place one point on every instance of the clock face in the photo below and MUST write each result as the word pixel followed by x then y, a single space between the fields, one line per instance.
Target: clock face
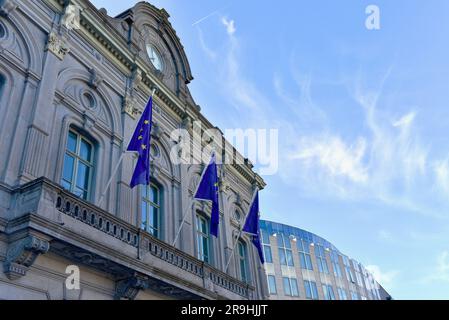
pixel 155 57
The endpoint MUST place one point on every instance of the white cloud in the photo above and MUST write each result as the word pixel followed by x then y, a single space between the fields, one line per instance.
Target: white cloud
pixel 385 278
pixel 441 171
pixel 406 120
pixel 334 156
pixel 230 25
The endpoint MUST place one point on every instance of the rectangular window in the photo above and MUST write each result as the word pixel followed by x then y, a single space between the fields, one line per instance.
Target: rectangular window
pixel 295 289
pixel 242 256
pixel 287 288
pixel 285 252
pixel 335 264
pixel 305 259
pixel 321 259
pixel 266 246
pixel 78 165
pixel 349 274
pixel 290 287
pixel 272 284
pixel 328 292
pixel 151 210
pixel 342 294
pixel 311 290
pixel 202 238
pixel 267 254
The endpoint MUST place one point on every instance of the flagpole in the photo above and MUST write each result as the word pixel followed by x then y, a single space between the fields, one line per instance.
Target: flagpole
pixel 240 232
pixel 184 217
pixel 117 167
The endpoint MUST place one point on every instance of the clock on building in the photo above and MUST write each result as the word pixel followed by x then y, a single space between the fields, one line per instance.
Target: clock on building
pixel 155 57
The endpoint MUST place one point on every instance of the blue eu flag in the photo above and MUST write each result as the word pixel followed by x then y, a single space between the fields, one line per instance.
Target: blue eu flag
pixel 140 143
pixel 252 225
pixel 208 191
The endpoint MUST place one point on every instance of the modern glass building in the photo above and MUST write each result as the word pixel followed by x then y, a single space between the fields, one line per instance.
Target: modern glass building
pixel 301 265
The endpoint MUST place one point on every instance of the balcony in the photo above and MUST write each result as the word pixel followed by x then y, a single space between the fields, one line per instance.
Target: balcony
pixel 86 234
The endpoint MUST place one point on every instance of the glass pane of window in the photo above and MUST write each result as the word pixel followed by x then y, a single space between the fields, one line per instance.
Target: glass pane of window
pixel 153 217
pixel 272 284
pixel 206 249
pixel 144 215
pixel 67 173
pixel 306 247
pixel 154 195
pixel 295 291
pixel 66 185
pixel 287 290
pixel 85 151
pixel 287 242
pixel 308 289
pixel 282 257
pixel 289 258
pixel 243 269
pixel 267 254
pixel 82 179
pixel 309 262
pixel 314 290
pixel 265 237
pixel 71 142
pixel 302 260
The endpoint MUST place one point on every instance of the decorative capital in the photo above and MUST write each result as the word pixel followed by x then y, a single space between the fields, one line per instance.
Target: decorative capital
pixel 21 255
pixel 7 6
pixel 128 288
pixel 57 45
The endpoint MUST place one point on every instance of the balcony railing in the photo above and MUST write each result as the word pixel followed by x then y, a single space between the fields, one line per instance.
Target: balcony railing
pixel 161 255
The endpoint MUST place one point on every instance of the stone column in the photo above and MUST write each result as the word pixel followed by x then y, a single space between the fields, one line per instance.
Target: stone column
pixel 35 154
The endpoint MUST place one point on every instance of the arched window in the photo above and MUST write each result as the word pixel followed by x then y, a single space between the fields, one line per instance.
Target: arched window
pixel 78 165
pixel 151 210
pixel 242 256
pixel 203 238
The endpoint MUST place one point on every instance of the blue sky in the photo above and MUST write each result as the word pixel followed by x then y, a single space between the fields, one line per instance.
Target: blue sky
pixel 362 118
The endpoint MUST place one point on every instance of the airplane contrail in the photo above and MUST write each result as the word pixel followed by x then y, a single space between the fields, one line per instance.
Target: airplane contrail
pixel 209 15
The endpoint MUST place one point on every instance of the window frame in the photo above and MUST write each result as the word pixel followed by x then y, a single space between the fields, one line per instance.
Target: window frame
pixel 146 200
pixel 245 273
pixel 285 251
pixel 305 258
pixel 313 289
pixel 270 276
pixel 200 234
pixel 77 159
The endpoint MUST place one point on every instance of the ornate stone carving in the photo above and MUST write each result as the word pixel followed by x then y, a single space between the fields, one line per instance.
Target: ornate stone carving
pixel 21 255
pixel 129 288
pixel 57 45
pixel 129 106
pixel 7 6
pixel 71 18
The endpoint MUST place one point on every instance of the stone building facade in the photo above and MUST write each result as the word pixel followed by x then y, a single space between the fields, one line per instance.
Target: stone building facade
pixel 303 266
pixel 73 83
